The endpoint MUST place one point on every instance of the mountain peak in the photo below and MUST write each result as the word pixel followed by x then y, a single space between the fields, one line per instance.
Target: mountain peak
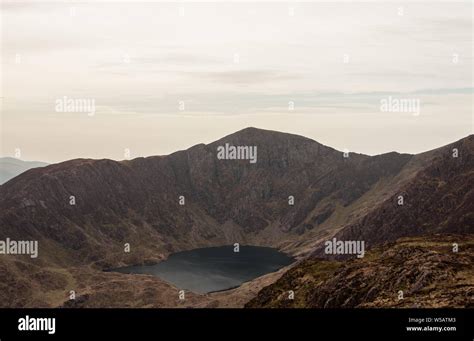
pixel 252 135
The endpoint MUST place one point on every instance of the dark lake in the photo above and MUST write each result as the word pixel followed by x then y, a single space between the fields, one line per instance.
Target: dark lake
pixel 215 268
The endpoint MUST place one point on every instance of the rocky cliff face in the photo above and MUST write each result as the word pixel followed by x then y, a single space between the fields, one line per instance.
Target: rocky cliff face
pixel 440 198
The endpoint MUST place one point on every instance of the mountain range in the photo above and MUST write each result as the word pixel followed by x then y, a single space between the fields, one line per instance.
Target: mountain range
pixel 84 211
pixel 11 167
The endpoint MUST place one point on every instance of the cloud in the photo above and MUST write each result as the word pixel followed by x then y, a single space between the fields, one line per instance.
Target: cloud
pixel 244 76
pixel 163 60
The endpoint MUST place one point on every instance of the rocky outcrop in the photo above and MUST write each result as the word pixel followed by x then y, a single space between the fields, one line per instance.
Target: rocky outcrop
pixel 413 272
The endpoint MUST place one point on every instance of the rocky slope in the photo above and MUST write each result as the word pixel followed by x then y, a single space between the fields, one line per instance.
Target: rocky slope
pixel 413 272
pixel 440 198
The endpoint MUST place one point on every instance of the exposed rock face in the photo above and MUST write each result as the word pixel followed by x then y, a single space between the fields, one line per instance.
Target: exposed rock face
pixel 440 198
pixel 227 201
pixel 414 272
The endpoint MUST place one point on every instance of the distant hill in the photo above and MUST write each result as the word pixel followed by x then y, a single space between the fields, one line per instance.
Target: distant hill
pixel 11 167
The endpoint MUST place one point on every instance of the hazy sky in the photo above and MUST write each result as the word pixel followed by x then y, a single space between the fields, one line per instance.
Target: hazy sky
pixel 166 76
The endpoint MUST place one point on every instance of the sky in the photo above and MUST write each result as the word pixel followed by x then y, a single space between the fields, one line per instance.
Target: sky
pixel 165 76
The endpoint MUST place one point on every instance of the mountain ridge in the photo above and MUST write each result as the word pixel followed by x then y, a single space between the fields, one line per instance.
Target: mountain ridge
pixel 225 201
